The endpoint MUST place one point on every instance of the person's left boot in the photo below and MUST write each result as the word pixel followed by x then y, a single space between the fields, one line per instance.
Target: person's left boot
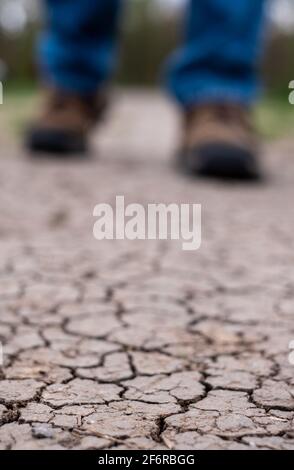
pixel 65 122
pixel 219 141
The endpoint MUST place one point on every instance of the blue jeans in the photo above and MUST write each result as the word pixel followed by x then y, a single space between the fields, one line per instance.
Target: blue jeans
pixel 217 60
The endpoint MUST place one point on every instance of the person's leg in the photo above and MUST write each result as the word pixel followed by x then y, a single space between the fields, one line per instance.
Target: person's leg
pixel 214 78
pixel 77 48
pixel 220 53
pixel 77 56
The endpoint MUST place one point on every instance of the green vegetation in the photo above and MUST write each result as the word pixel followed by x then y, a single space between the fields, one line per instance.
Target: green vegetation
pixel 18 106
pixel 147 39
pixel 274 116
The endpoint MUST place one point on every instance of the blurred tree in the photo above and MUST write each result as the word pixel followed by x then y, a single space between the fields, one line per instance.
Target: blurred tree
pixel 150 31
pixel 278 65
pixel 148 36
pixel 18 27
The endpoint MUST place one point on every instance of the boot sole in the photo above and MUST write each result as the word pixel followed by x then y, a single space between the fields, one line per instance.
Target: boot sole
pixel 56 142
pixel 220 161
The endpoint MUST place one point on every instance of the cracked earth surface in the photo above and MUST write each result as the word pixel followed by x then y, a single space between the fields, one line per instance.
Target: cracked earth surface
pixel 138 344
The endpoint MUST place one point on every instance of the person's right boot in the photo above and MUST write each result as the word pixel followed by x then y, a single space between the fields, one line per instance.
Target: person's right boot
pixel 219 141
pixel 65 122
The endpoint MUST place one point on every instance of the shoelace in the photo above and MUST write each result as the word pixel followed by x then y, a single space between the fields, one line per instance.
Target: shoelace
pixel 57 101
pixel 221 112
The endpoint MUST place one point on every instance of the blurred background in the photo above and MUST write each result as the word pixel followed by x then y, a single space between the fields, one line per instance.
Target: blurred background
pixel 153 26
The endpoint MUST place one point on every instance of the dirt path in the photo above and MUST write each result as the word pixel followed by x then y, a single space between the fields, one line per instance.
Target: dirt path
pixel 139 344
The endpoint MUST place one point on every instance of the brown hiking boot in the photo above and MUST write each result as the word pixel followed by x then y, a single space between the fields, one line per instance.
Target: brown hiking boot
pixel 65 123
pixel 219 141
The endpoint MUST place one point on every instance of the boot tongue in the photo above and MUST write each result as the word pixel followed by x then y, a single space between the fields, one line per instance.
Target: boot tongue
pixel 226 113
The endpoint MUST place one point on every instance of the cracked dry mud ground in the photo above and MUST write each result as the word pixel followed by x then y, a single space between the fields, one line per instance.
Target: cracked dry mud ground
pixel 138 344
